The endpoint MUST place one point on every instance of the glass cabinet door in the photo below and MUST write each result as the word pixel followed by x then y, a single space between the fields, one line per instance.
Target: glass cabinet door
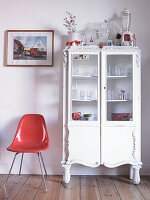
pixel 84 87
pixel 119 92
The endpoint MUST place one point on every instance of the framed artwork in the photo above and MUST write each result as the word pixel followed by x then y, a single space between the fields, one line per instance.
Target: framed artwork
pixel 29 48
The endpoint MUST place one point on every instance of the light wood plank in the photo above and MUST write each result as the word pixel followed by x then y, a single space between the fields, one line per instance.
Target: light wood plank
pixel 79 188
pixel 2 179
pixel 89 188
pixel 107 189
pixel 53 187
pixel 126 189
pixel 70 191
pixel 144 187
pixel 30 188
pixel 14 184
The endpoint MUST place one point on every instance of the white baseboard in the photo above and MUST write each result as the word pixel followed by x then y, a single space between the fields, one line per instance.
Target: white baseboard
pixel 75 170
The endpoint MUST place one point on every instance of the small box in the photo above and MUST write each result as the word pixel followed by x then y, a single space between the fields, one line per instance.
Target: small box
pixel 121 116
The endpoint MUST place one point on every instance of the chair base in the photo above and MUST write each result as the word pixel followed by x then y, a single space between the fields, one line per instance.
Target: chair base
pixel 41 162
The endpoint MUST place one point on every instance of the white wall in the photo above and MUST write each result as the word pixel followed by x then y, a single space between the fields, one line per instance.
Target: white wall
pixel 39 90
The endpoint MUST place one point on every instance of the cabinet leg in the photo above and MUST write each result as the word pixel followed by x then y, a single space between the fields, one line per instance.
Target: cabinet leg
pixel 131 172
pixel 136 174
pixel 66 175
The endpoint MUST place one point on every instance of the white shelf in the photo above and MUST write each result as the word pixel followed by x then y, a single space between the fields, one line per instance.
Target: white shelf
pixel 116 77
pixel 118 100
pixel 81 59
pixel 81 76
pixel 84 100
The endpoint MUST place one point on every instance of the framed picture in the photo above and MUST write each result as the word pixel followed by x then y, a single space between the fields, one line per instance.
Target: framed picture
pixel 29 48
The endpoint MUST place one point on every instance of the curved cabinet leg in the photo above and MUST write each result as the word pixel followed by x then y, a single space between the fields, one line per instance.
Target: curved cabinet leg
pixel 136 174
pixel 131 172
pixel 66 175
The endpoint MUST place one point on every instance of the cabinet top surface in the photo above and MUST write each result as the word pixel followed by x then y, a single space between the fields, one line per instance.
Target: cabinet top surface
pixel 96 49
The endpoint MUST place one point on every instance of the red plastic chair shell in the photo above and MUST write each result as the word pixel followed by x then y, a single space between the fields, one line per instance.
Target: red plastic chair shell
pixel 31 135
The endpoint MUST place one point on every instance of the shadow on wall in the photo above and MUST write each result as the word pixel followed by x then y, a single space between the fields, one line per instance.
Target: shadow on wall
pixel 48 101
pixel 9 130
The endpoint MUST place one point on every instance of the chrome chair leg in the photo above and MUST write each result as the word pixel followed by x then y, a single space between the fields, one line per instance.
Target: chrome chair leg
pixel 43 164
pixel 10 171
pixel 42 172
pixel 21 164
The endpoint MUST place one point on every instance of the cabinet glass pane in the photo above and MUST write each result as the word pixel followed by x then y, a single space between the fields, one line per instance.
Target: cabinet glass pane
pixel 84 87
pixel 119 88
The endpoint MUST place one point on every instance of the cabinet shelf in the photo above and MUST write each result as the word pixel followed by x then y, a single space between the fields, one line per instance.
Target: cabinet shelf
pixel 118 100
pixel 116 77
pixel 84 77
pixel 84 100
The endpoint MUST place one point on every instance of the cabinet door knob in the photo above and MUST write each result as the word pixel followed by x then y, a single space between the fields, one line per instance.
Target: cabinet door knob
pixel 104 87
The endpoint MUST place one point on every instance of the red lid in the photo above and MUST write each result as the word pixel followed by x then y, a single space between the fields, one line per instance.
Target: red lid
pixel 68 43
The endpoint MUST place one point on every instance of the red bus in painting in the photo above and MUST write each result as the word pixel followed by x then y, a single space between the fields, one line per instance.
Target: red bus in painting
pixel 34 52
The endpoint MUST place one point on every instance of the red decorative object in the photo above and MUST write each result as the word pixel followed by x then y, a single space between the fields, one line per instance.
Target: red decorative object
pixel 75 43
pixel 121 116
pixel 127 37
pixel 76 116
pixel 101 46
pixel 69 22
pixel 69 43
pixel 122 94
pixel 91 40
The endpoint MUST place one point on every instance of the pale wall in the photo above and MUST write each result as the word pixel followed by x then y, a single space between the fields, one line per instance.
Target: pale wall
pixel 39 90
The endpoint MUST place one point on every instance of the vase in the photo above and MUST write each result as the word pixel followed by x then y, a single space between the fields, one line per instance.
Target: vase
pixel 72 36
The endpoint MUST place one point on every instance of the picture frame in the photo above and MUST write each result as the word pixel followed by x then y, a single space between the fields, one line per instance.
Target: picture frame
pixel 30 48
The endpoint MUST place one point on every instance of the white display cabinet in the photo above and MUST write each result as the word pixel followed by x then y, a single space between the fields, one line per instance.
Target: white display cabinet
pixel 102 108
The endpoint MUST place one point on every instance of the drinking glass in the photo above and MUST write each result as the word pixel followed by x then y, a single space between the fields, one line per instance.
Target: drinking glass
pixel 74 93
pixel 113 95
pixel 89 95
pixel 108 71
pixel 116 71
pixel 82 94
pixel 108 94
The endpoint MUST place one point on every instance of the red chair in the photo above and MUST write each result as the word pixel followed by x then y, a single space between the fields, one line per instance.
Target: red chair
pixel 31 137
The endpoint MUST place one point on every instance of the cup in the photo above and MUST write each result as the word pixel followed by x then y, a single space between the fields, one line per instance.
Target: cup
pixel 108 94
pixel 108 71
pixel 89 95
pixel 82 94
pixel 116 71
pixel 94 95
pixel 119 71
pixel 74 93
pixel 76 116
pixel 113 95
pixel 119 96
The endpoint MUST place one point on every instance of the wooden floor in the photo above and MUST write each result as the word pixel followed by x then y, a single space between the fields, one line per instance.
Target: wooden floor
pixel 29 187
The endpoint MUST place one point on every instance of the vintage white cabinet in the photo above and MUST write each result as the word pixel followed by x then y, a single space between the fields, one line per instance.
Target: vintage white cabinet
pixel 102 108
